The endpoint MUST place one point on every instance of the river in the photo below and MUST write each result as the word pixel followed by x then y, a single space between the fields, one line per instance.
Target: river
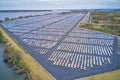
pixel 17 14
pixel 3 15
pixel 7 73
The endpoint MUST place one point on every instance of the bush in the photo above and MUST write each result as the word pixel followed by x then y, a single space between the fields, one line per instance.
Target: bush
pixel 7 19
pixel 2 38
pixel 106 29
pixel 13 57
pixel 1 21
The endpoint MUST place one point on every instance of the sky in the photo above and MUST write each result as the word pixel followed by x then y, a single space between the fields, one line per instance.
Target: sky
pixel 58 4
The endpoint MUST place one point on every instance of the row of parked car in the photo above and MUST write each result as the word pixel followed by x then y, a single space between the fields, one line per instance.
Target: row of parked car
pixel 92 35
pixel 41 51
pixel 82 30
pixel 86 49
pixel 77 61
pixel 39 43
pixel 95 41
pixel 50 30
pixel 41 37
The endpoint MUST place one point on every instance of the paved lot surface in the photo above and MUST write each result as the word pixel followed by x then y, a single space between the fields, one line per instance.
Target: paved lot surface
pixel 64 50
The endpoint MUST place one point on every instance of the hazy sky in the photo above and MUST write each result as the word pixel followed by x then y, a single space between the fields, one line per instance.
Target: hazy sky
pixel 58 4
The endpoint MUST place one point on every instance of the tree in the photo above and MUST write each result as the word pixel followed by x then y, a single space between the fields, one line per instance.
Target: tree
pixel 7 19
pixel 16 55
pixel 2 38
pixel 1 21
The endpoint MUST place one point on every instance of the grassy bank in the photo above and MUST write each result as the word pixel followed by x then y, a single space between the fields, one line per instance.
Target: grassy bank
pixel 37 72
pixel 13 58
pixel 105 29
pixel 114 75
pixel 105 17
pixel 2 38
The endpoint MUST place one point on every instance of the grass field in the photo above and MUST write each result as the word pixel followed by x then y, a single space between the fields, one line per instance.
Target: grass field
pixel 109 21
pixel 37 71
pixel 103 17
pixel 114 75
pixel 102 28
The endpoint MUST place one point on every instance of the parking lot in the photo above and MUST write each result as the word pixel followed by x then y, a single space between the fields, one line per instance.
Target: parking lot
pixel 61 48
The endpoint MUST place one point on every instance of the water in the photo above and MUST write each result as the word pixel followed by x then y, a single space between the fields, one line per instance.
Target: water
pixel 6 73
pixel 17 14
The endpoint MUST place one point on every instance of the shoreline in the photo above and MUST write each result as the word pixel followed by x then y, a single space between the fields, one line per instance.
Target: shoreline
pixel 7 70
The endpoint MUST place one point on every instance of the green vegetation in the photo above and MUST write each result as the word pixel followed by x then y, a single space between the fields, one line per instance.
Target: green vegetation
pixel 105 17
pixel 11 19
pixel 1 21
pixel 13 57
pixel 102 28
pixel 2 38
pixel 114 75
pixel 7 19
pixel 105 21
pixel 19 17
